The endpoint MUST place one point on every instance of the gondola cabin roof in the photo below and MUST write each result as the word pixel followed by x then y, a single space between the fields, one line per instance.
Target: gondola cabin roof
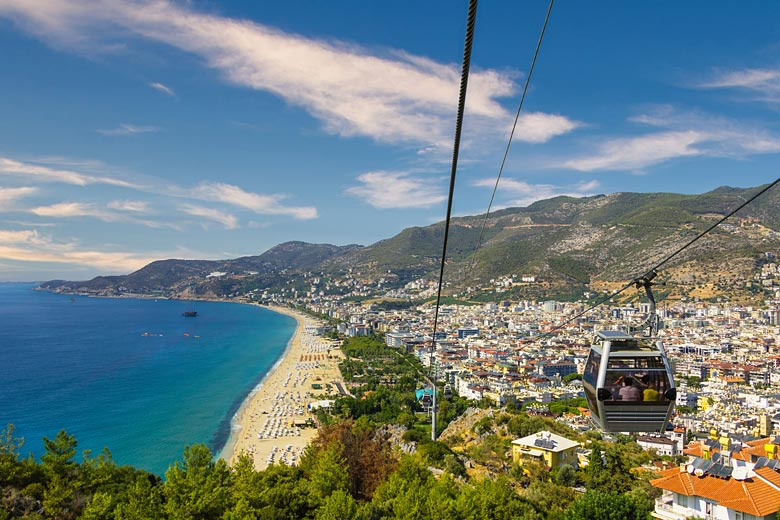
pixel 611 335
pixel 624 344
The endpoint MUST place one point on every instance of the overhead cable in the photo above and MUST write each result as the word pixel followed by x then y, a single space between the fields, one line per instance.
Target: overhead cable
pixel 464 81
pixel 511 135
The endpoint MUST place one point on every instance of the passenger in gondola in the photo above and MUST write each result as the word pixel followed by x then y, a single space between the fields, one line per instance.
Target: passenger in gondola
pixel 629 392
pixel 614 385
pixel 650 393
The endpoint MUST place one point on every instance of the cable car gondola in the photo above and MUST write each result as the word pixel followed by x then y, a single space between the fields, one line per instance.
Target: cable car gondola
pixel 628 380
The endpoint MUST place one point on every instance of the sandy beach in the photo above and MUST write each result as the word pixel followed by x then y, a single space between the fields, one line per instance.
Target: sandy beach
pixel 268 425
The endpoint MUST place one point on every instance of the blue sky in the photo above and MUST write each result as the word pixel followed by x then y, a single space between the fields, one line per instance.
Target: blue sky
pixel 134 131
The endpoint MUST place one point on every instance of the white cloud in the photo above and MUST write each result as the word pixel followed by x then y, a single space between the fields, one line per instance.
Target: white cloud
pixel 128 129
pixel 634 153
pixel 136 206
pixel 587 188
pixel 386 190
pixel 28 223
pixel 26 236
pixel 537 127
pixel 31 171
pixel 765 83
pixel 73 209
pixel 680 134
pixel 227 220
pixel 91 210
pixel 163 88
pixel 32 246
pixel 262 204
pixel 208 191
pixel 721 136
pixel 523 193
pixel 9 196
pixel 389 96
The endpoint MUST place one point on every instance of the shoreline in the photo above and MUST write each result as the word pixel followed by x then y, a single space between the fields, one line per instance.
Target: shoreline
pixel 230 444
pixel 263 424
pixel 269 423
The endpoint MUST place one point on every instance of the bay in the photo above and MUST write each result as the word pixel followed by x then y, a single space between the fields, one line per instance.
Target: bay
pixel 132 375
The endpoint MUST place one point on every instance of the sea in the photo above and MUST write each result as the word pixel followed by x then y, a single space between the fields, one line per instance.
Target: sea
pixel 132 375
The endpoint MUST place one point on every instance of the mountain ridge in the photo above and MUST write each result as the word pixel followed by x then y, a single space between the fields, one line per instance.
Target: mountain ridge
pixel 566 245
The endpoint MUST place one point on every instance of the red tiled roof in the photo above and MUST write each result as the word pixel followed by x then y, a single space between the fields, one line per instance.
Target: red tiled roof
pixel 694 450
pixel 768 474
pixel 755 448
pixel 755 496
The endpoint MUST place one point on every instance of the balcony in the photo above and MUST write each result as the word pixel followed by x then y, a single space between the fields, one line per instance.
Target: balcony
pixel 666 509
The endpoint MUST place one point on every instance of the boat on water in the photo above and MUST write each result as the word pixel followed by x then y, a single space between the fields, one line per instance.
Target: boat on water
pixel 189 314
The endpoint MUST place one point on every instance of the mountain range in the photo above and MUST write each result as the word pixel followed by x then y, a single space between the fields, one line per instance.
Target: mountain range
pixel 556 248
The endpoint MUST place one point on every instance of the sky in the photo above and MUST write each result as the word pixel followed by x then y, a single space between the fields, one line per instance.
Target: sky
pixel 132 131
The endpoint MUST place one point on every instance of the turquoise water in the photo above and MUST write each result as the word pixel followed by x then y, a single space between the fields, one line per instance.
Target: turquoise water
pixel 132 375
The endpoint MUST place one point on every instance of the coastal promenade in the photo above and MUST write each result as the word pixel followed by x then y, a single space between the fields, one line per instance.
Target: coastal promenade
pixel 267 426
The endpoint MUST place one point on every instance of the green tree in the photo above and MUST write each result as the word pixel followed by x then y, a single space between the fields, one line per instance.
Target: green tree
pixel 442 498
pixel 619 466
pixel 597 505
pixel 522 425
pixel 340 506
pixel 565 475
pixel 406 419
pixel 58 499
pixel 98 473
pixel 246 488
pixel 614 473
pixel 330 473
pixel 197 488
pixel 10 445
pixel 242 510
pixel 434 452
pixel 58 456
pixel 453 465
pixel 284 494
pixel 643 498
pixel 405 492
pixel 551 498
pixel 100 507
pixel 596 476
pixel 494 500
pixel 144 500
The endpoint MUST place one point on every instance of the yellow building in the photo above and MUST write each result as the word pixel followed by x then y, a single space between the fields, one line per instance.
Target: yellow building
pixel 548 448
